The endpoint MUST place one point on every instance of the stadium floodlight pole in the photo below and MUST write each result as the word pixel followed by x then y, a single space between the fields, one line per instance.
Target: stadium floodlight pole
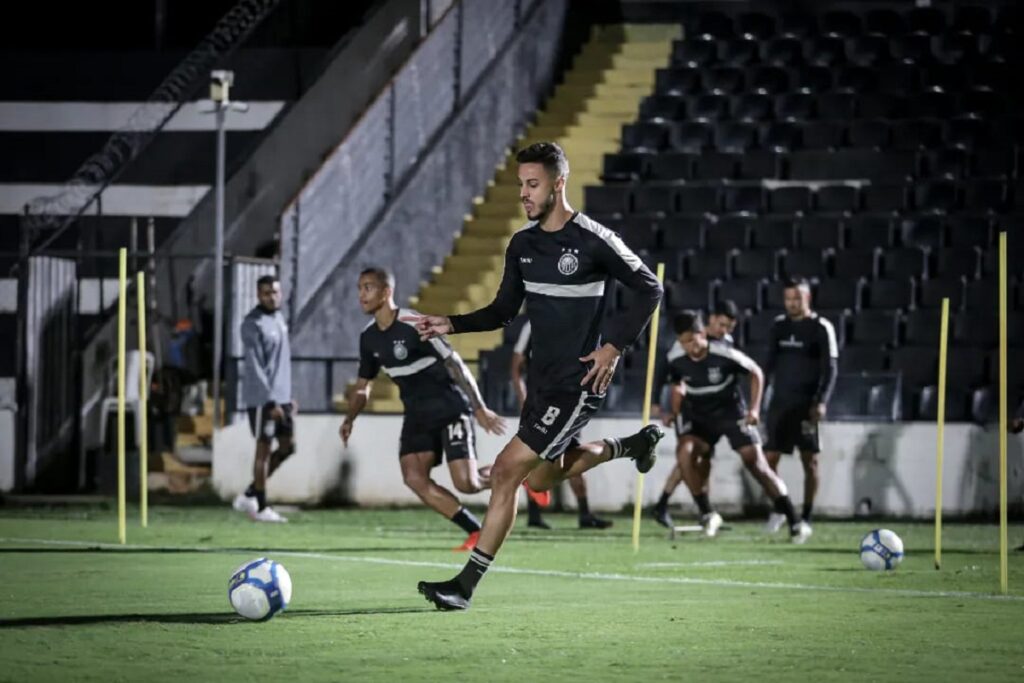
pixel 941 428
pixel 220 99
pixel 652 353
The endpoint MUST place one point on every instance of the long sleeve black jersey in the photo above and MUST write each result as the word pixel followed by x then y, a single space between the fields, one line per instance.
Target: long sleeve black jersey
pixel 562 276
pixel 712 389
pixel 802 358
pixel 417 367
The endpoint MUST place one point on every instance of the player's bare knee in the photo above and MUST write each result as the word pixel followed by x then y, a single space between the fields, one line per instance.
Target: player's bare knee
pixel 810 461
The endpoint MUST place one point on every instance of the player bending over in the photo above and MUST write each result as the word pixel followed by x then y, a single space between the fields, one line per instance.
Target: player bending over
pixel 721 323
pixel 434 385
pixel 713 407
pixel 560 264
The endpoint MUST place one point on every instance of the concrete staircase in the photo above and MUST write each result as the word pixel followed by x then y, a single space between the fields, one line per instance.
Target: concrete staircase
pixel 602 91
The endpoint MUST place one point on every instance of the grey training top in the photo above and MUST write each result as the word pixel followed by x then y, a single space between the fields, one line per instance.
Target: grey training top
pixel 268 359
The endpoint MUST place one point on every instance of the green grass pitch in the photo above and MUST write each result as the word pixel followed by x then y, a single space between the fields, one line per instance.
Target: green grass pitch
pixel 558 605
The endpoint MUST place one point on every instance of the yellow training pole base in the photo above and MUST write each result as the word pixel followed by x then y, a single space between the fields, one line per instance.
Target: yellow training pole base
pixel 652 354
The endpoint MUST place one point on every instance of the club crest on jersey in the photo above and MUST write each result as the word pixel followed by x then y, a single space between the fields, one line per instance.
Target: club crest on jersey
pixel 568 263
pixel 401 353
pixel 714 375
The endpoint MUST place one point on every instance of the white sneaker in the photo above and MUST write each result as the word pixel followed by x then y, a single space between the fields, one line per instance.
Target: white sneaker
pixel 267 514
pixel 774 523
pixel 711 522
pixel 800 533
pixel 246 504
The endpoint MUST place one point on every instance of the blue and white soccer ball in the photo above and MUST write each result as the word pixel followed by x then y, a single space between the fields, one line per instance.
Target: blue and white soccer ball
pixel 260 589
pixel 881 549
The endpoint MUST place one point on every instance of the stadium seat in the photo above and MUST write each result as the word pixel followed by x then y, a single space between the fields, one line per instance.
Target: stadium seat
pixel 756 25
pixel 922 231
pixel 715 25
pixel 993 161
pixel 931 105
pixel 774 296
pixel 759 164
pixel 918 365
pixel 732 136
pixel 982 295
pixel 893 293
pixel 975 327
pixel 755 264
pixel 881 105
pixel 922 328
pixel 695 52
pixel 790 199
pixel 875 327
pixel 694 200
pixel 856 263
pixel 759 327
pixel 905 262
pixel 808 263
pixel 644 137
pixel 786 51
pixel 899 79
pixel 885 22
pixel 970 231
pixel 841 23
pixel 822 134
pixel 856 79
pixel 936 195
pixel 753 108
pixel 884 197
pixel 912 48
pixel 966 133
pixel 944 163
pixel 745 292
pixel 716 166
pixel 958 262
pixel 682 233
pixel 768 80
pixel 679 80
pixel 638 235
pixel 966 368
pixel 663 107
pixel 794 107
pixel 868 50
pixel 671 166
pixel 825 51
pixel 730 232
pixel 869 231
pixel 836 105
pixel 916 134
pixel 798 24
pixel 930 20
pixel 836 198
pixel 690 294
pixel 740 51
pixel 927 405
pixel 839 294
pixel 782 137
pixel 709 108
pixel 654 199
pixel 820 232
pixel 709 265
pixel 691 136
pixel 972 19
pixel 956 47
pixel 722 80
pixel 607 199
pixel 984 405
pixel 933 291
pixel 812 79
pixel 935 77
pixel 862 359
pixel 986 194
pixel 747 198
pixel 624 167
pixel 773 233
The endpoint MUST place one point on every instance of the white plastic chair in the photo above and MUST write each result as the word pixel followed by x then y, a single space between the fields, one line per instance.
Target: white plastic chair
pixel 131 391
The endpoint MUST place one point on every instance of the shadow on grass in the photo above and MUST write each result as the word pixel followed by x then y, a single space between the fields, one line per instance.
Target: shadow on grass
pixel 196 617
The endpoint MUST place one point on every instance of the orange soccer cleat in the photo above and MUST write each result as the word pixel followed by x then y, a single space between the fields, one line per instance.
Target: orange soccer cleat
pixel 541 498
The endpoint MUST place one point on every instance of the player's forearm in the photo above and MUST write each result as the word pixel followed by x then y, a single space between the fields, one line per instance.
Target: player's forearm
pixel 676 400
pixel 357 403
pixel 518 381
pixel 756 391
pixel 827 381
pixel 631 324
pixel 464 379
pixel 490 317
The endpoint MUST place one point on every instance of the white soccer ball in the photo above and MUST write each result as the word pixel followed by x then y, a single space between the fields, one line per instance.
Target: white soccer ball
pixel 260 589
pixel 881 549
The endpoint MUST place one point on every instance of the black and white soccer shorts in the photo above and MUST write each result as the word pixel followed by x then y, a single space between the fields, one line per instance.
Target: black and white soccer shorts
pixel 790 426
pixel 551 421
pixel 265 428
pixel 737 431
pixel 448 437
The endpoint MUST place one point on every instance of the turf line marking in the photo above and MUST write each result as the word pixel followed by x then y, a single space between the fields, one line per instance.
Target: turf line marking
pixel 587 576
pixel 710 563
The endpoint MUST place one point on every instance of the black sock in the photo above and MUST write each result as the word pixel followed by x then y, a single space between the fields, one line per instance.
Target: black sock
pixel 615 446
pixel 261 499
pixel 465 520
pixel 785 506
pixel 807 511
pixel 251 491
pixel 663 501
pixel 701 499
pixel 584 506
pixel 532 510
pixel 475 568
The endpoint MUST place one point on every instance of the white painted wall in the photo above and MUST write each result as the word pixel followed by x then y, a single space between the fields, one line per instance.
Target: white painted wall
pixel 894 465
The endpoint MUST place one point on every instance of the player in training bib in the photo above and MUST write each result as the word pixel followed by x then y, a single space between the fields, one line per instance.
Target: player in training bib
pixel 560 264
pixel 436 389
pixel 713 408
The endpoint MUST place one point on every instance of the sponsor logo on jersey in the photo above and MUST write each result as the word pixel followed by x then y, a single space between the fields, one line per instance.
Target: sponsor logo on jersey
pixel 791 343
pixel 525 259
pixel 714 375
pixel 569 263
pixel 401 353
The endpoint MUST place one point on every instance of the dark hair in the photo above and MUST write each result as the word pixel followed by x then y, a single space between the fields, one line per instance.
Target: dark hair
pixel 547 153
pixel 797 282
pixel 688 321
pixel 266 280
pixel 383 275
pixel 728 308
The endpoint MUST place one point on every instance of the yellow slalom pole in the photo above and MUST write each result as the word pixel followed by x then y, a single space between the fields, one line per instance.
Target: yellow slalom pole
pixel 1004 579
pixel 143 436
pixel 122 289
pixel 652 354
pixel 941 428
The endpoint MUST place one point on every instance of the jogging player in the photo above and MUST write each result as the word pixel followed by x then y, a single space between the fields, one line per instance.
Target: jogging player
pixel 560 264
pixel 436 389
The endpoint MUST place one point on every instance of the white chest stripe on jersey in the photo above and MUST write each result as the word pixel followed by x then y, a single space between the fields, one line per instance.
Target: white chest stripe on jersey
pixel 713 389
pixel 587 289
pixel 411 368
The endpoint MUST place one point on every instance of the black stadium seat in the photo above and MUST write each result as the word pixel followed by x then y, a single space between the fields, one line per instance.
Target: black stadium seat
pixel 607 199
pixel 875 327
pixel 671 166
pixel 756 25
pixel 856 263
pixel 682 233
pixel 808 263
pixel 933 291
pixel 839 294
pixel 893 293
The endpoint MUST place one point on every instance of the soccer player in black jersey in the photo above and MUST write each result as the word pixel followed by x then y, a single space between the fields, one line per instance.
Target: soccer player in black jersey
pixel 436 389
pixel 801 366
pixel 721 324
pixel 560 264
pixel 587 520
pixel 713 408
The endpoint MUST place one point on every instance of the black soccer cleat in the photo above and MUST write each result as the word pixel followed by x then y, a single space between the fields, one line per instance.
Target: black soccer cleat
pixel 446 595
pixel 661 516
pixel 640 447
pixel 592 522
pixel 538 523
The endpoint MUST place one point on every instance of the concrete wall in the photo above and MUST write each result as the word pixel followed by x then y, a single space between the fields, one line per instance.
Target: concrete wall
pixel 893 465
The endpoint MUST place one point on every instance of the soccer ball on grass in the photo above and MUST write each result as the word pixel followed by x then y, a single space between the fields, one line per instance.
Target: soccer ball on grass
pixel 259 589
pixel 881 550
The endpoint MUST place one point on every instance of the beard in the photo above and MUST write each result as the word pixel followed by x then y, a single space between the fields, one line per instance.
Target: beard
pixel 544 209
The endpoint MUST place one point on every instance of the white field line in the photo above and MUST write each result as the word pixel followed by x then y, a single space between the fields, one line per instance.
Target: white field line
pixel 587 576
pixel 710 563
